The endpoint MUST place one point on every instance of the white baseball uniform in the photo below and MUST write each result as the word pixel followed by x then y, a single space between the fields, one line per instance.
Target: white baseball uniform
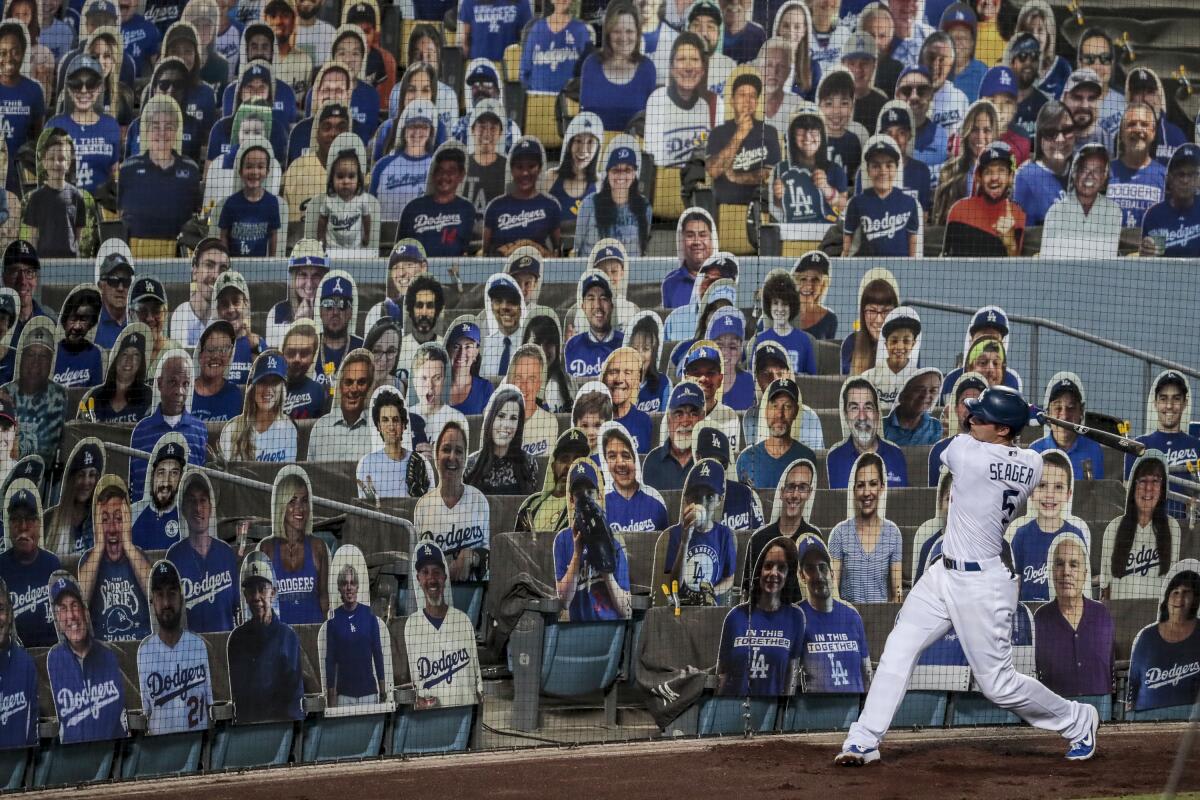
pixel 175 683
pixel 978 598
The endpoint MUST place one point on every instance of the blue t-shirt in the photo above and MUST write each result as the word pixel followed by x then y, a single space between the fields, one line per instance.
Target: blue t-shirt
pixel 638 425
pixel 305 399
pixel 443 229
pixel 96 148
pixel 652 398
pixel 591 601
pixel 1179 227
pixel 711 556
pixel 1025 120
pixel 1083 450
pixel 209 584
pixel 762 470
pixel 835 649
pixel 930 147
pixel 740 396
pixel 615 103
pixel 120 611
pixel 886 223
pixel 83 369
pixel 18 698
pixel 89 695
pixel 802 201
pixel 548 59
pixel 840 460
pixel 677 287
pixel 494 26
pixel 353 652
pixel 477 398
pixel 242 361
pixel 398 179
pixel 798 345
pixel 915 181
pixel 584 356
pixel 1135 190
pixel 1161 673
pixel 23 106
pixel 29 594
pixel 220 407
pixel 639 513
pixel 511 219
pixel 250 223
pixel 1031 549
pixel 141 41
pixel 970 78
pixel 1035 189
pixel 757 648
pixel 928 431
pixel 155 530
pixel 743 510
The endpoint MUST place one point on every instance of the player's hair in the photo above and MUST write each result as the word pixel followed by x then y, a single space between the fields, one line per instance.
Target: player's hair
pixel 869 460
pixel 781 287
pixel 1193 581
pixel 424 283
pixel 111 490
pixel 952 185
pixel 878 292
pixel 384 399
pixel 1127 527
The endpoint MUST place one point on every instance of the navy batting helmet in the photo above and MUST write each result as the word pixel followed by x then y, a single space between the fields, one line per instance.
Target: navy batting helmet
pixel 1000 405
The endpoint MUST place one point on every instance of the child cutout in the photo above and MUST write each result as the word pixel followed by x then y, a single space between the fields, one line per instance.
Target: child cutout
pixel 1049 515
pixel 55 212
pixel 887 221
pixel 250 218
pixel 897 351
pixel 346 211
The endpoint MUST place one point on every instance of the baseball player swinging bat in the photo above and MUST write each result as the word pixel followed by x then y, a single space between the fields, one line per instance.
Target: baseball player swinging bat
pixel 1125 445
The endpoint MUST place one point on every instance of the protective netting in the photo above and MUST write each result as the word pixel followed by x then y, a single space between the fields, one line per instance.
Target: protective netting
pixel 399 379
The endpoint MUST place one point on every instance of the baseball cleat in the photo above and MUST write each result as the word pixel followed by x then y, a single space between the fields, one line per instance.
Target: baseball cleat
pixel 854 756
pixel 1085 747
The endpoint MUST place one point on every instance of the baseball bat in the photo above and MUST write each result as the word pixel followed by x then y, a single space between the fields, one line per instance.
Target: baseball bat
pixel 1105 438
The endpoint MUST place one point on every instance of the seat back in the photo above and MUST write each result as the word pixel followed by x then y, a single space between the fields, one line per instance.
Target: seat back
pixel 435 730
pixel 62 764
pixel 821 712
pixel 668 193
pixel 581 658
pixel 340 738
pixel 728 715
pixel 173 754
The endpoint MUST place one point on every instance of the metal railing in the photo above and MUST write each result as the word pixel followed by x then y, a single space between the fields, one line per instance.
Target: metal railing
pixel 1149 360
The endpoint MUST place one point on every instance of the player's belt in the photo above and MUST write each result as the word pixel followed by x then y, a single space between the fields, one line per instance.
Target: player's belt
pixel 962 566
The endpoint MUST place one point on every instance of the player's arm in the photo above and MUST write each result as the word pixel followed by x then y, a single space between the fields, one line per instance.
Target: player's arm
pixel 141 567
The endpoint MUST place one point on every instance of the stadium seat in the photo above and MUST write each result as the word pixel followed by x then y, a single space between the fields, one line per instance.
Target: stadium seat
pixel 1103 703
pixel 731 226
pixel 539 119
pixel 813 711
pixel 468 598
pixel 732 715
pixel 266 745
pixel 925 707
pixel 972 708
pixel 1169 713
pixel 667 203
pixel 58 764
pixel 13 765
pixel 170 754
pixel 153 248
pixel 340 738
pixel 435 730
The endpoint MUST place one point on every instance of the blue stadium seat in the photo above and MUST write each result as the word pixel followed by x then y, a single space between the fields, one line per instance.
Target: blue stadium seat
pixel 726 715
pixel 436 730
pixel 972 708
pixel 1103 703
pixel 59 764
pixel 581 658
pixel 170 754
pixel 337 738
pixel 821 712
pixel 266 745
pixel 921 708
pixel 1160 714
pixel 468 598
pixel 12 769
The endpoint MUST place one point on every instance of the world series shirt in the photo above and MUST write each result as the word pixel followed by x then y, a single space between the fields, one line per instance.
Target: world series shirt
pixel 120 612
pixel 88 692
pixel 175 684
pixel 757 648
pixel 835 648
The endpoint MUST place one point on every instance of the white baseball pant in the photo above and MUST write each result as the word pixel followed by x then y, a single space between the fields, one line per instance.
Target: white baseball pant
pixel 980 606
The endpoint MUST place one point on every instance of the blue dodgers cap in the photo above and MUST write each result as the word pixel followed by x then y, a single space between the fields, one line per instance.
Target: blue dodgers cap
pixel 149 289
pixel 428 554
pixel 712 443
pixel 483 73
pixel 707 473
pixel 464 330
pixel 338 287
pixel 808 542
pixel 998 80
pixel 584 471
pixel 997 153
pixel 22 500
pixel 958 14
pixel 267 365
pixel 622 155
pixel 726 320
pixel 701 353
pixel 407 250
pixel 86 457
pixel 526 263
pixel 64 585
pixel 894 116
pixel 596 279
pixel 917 69
pixel 308 260
pixel 685 393
pixel 100 7
pixel 258 70
pixel 860 45
pixel 526 148
pixel 1024 42
pixel 83 61
pixel 171 451
pixel 20 251
pixel 772 350
pixel 881 144
pixel 1184 155
pixel 783 386
pixel 609 253
pixel 727 263
pixel 1065 385
pixel 989 318
pixel 164 575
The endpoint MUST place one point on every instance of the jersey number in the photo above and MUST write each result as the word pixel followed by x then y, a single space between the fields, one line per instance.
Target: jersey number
pixel 195 709
pixel 1007 506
